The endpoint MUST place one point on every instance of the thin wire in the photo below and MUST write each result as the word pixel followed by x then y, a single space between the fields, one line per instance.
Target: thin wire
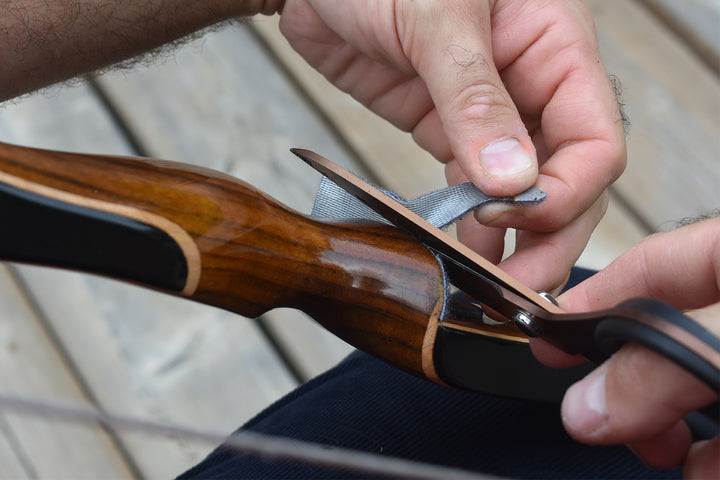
pixel 246 442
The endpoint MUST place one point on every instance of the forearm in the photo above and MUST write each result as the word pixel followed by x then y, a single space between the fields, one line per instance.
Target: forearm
pixel 46 41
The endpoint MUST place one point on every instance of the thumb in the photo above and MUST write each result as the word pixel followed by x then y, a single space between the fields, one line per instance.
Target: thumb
pixel 638 397
pixel 484 128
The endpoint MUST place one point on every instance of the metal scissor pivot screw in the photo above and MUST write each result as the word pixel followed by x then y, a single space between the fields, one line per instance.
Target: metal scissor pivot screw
pixel 524 321
pixel 549 297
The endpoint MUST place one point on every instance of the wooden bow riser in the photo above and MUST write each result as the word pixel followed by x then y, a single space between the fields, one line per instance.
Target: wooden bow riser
pixel 372 285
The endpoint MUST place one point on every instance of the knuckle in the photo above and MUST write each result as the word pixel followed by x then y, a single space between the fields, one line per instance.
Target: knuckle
pixel 484 101
pixel 617 158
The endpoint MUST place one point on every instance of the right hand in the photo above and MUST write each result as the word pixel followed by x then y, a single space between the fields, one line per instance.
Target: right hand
pixel 638 397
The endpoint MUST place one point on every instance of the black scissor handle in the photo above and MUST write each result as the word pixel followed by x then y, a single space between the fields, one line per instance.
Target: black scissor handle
pixel 667 331
pixel 652 324
pixel 674 335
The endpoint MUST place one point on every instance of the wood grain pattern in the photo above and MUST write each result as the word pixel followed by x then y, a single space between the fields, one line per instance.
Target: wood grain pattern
pixel 371 285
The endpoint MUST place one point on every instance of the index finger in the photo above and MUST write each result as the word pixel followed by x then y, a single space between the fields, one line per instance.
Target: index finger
pixel 681 267
pixel 562 90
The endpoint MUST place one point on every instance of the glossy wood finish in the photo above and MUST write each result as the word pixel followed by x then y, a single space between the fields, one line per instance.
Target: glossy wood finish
pixel 370 284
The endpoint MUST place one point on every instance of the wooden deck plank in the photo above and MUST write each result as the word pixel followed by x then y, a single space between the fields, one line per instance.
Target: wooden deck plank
pixel 311 349
pixel 12 465
pixel 696 22
pixel 130 345
pixel 31 365
pixel 163 358
pixel 673 101
pixel 233 110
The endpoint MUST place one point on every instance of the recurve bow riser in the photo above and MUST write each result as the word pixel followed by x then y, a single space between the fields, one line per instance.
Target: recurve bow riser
pixel 210 237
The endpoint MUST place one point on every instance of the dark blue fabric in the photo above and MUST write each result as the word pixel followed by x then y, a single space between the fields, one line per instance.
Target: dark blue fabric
pixel 367 405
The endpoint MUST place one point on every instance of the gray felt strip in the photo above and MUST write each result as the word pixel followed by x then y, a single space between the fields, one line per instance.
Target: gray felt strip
pixel 439 208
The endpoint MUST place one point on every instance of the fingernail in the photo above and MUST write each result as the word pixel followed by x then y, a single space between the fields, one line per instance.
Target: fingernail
pixel 491 212
pixel 505 158
pixel 584 409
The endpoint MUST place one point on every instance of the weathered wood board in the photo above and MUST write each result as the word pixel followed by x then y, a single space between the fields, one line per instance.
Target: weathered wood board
pixel 696 22
pixel 13 461
pixel 30 365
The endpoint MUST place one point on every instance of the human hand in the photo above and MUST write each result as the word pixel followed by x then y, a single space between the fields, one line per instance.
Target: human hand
pixel 638 397
pixel 506 94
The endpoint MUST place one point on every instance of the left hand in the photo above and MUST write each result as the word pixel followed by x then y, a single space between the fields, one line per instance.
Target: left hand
pixel 507 94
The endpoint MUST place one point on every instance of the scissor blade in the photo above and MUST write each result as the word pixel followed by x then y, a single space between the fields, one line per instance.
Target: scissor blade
pixel 426 233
